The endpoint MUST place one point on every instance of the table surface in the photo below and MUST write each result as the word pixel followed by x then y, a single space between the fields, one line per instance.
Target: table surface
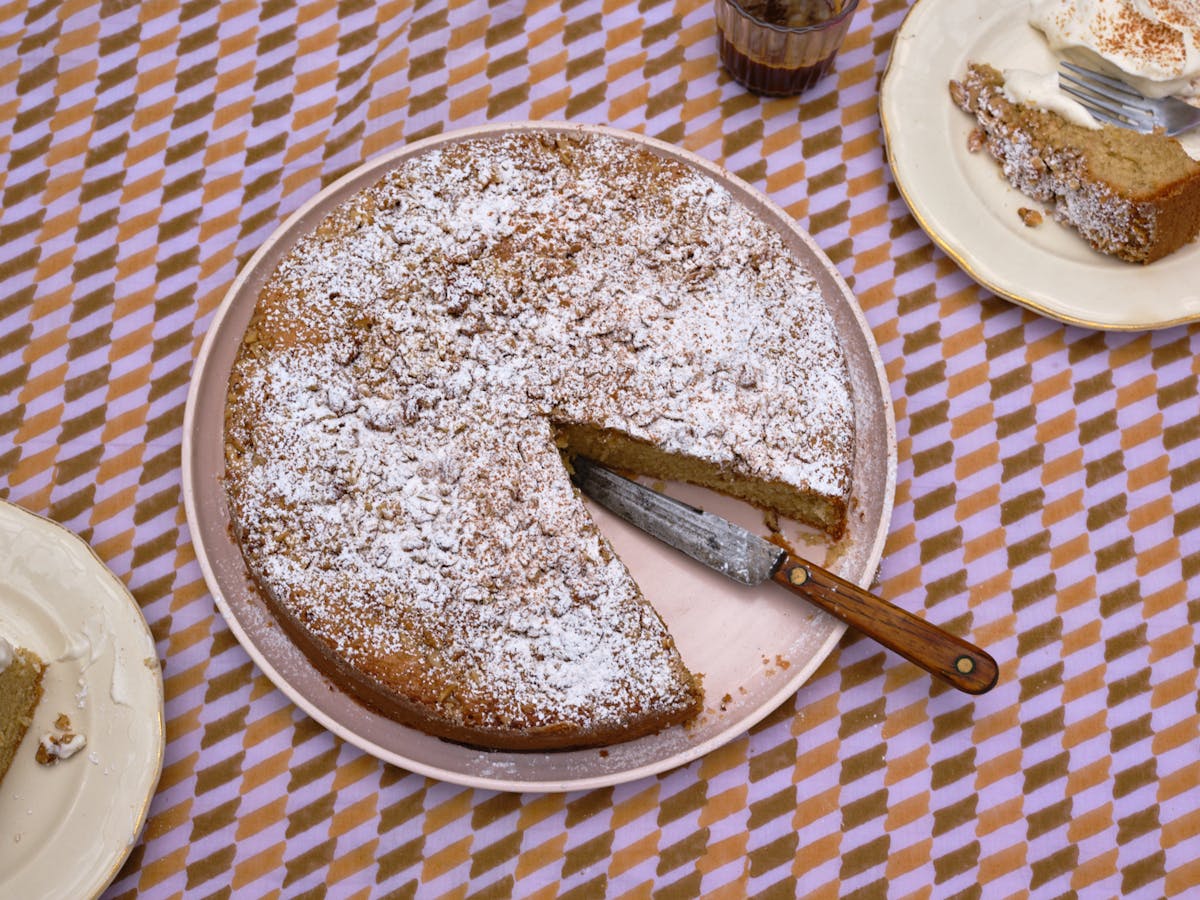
pixel 1047 505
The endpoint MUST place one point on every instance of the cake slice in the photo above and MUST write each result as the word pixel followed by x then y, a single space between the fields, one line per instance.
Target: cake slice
pixel 20 691
pixel 1130 195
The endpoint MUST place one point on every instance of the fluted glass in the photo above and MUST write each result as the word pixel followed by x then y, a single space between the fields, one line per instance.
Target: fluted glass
pixel 777 59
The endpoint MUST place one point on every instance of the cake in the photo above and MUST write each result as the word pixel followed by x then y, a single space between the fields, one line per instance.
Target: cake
pixel 415 370
pixel 20 691
pixel 1133 196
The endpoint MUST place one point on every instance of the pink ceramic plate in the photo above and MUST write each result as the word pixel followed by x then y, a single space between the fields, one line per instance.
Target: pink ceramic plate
pixel 755 646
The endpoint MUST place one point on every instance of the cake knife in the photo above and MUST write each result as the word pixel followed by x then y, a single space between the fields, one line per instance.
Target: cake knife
pixel 747 558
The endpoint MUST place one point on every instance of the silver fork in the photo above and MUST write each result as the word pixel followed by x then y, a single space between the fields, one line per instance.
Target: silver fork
pixel 1115 102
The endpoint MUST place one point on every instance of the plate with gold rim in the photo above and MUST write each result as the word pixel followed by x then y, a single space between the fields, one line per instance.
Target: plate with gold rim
pixel 964 204
pixel 755 646
pixel 66 829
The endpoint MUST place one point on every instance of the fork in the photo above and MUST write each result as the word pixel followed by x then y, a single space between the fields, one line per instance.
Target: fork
pixel 1116 103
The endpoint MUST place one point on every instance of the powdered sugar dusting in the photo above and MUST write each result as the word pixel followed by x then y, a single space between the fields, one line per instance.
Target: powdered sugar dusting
pixel 391 459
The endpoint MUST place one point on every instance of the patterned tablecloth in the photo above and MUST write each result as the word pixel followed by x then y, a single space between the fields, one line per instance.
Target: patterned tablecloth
pixel 1047 506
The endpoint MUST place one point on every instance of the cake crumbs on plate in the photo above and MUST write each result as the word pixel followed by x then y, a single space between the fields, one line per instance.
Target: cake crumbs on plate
pixel 53 748
pixel 1030 217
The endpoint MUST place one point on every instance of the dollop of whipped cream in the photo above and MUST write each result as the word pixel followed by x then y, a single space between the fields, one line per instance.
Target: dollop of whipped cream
pixel 1042 91
pixel 6 654
pixel 1154 43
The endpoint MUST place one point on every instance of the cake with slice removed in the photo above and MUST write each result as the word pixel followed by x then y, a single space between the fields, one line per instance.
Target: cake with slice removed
pixel 416 364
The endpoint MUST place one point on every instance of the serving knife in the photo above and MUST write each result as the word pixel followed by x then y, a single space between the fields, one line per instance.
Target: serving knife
pixel 747 558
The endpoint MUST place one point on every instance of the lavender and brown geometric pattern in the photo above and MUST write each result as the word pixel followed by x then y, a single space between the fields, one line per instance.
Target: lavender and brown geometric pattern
pixel 1047 503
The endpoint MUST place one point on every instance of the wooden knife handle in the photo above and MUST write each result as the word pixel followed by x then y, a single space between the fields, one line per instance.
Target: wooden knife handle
pixel 955 661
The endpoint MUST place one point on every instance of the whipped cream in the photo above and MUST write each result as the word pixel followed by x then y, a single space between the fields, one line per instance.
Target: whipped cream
pixel 1042 90
pixel 88 644
pixel 1155 44
pixel 6 654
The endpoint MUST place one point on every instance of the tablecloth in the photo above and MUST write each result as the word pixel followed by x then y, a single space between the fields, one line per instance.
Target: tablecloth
pixel 1047 505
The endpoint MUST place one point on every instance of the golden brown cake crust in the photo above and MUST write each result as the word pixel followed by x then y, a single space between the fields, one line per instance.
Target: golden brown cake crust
pixel 1133 196
pixel 391 433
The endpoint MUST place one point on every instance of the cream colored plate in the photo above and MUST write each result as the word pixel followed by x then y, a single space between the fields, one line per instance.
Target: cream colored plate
pixel 969 210
pixel 755 645
pixel 65 831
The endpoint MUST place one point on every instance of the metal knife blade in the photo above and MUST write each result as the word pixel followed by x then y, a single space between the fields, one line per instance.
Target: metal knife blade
pixel 719 544
pixel 745 557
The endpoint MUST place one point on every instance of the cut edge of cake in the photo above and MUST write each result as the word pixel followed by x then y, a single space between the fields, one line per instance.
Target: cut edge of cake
pixel 822 511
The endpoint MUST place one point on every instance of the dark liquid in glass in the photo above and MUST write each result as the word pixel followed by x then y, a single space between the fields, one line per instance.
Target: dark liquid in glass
pixel 772 81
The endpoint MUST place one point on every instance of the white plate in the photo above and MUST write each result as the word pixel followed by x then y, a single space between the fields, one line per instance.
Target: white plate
pixel 963 202
pixel 66 830
pixel 756 646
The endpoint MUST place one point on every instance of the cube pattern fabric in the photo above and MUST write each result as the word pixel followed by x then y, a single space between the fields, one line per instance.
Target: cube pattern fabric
pixel 1047 505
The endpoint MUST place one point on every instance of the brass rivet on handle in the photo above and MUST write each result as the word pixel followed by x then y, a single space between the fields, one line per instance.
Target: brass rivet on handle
pixel 798 575
pixel 965 664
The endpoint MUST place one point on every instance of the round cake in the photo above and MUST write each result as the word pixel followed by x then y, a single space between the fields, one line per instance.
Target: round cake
pixel 416 374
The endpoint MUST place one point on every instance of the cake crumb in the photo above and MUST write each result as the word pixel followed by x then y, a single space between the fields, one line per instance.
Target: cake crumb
pixel 725 701
pixel 1031 217
pixel 55 747
pixel 976 140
